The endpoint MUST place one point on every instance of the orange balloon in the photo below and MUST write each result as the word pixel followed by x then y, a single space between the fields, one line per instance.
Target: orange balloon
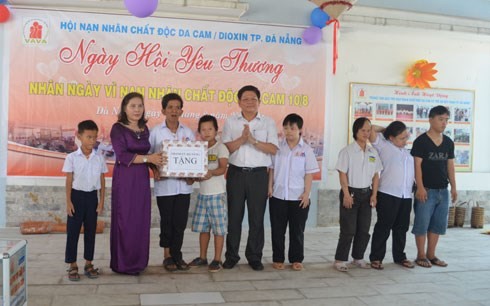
pixel 4 13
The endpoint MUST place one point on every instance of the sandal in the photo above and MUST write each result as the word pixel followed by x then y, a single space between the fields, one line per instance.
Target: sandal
pixel 90 271
pixel 278 265
pixel 182 265
pixel 297 266
pixel 406 264
pixel 377 264
pixel 73 274
pixel 198 262
pixel 341 266
pixel 169 264
pixel 361 263
pixel 423 262
pixel 437 262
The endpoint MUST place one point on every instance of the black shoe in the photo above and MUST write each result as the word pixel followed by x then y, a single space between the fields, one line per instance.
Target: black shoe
pixel 182 265
pixel 256 265
pixel 214 266
pixel 229 264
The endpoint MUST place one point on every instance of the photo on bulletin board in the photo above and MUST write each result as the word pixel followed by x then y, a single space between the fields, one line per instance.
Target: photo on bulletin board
pixel 383 104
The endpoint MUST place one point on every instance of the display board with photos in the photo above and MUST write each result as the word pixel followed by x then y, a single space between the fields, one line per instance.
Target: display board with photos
pixel 383 104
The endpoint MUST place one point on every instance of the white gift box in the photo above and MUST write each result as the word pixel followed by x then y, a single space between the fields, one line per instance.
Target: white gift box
pixel 184 159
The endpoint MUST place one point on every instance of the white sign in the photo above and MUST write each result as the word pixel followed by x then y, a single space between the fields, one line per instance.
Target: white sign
pixel 184 159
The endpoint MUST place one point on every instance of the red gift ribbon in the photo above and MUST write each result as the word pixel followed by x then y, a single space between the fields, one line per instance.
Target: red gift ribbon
pixel 336 26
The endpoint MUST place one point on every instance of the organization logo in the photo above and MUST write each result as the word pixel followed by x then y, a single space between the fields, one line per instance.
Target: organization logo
pixel 361 93
pixel 35 31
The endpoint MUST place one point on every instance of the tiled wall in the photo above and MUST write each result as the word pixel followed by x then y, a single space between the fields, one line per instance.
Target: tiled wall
pixel 328 205
pixel 46 203
pixel 41 203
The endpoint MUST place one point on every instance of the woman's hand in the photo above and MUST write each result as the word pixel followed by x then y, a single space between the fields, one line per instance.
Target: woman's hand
pixel 156 159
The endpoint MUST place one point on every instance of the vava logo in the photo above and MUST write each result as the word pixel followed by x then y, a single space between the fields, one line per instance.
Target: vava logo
pixel 35 32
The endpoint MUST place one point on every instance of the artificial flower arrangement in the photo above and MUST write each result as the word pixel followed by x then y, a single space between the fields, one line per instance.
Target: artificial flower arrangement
pixel 420 74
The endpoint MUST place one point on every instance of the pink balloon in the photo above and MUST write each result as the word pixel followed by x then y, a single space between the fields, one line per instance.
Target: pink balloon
pixel 312 35
pixel 141 8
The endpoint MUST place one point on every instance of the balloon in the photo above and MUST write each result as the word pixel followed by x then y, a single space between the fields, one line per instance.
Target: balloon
pixel 4 13
pixel 334 8
pixel 141 8
pixel 312 35
pixel 319 18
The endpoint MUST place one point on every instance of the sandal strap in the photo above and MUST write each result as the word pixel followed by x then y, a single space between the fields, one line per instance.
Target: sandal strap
pixel 72 270
pixel 73 274
pixel 90 269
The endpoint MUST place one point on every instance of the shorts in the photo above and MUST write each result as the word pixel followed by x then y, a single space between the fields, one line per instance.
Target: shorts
pixel 432 214
pixel 211 213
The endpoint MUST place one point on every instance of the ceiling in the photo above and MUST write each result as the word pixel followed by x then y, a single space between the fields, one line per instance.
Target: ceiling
pixel 472 9
pixel 293 11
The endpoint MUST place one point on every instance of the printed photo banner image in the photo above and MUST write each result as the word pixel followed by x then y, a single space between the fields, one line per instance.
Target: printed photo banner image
pixel 383 104
pixel 67 67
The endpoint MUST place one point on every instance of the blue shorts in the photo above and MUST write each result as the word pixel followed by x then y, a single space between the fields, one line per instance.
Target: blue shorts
pixel 432 214
pixel 210 213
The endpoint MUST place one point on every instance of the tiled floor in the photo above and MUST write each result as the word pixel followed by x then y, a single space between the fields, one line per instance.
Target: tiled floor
pixel 466 281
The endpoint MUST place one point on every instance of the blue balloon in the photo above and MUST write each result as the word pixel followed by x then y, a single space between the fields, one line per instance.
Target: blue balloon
pixel 319 18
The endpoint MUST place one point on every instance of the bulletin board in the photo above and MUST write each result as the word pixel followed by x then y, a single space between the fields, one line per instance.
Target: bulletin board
pixel 383 104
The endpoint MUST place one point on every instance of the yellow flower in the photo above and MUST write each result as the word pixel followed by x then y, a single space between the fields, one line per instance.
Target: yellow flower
pixel 420 74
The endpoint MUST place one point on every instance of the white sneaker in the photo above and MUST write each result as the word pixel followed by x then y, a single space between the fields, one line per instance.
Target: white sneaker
pixel 361 263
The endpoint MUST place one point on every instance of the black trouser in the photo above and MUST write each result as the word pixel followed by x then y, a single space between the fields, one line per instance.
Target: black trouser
pixel 251 185
pixel 354 224
pixel 85 204
pixel 283 212
pixel 393 215
pixel 174 211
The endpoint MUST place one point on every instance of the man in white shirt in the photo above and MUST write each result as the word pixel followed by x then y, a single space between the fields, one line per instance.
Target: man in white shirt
pixel 173 194
pixel 251 139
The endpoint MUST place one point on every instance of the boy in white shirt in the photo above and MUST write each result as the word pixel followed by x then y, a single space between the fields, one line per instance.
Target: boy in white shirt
pixel 84 170
pixel 290 180
pixel 211 212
